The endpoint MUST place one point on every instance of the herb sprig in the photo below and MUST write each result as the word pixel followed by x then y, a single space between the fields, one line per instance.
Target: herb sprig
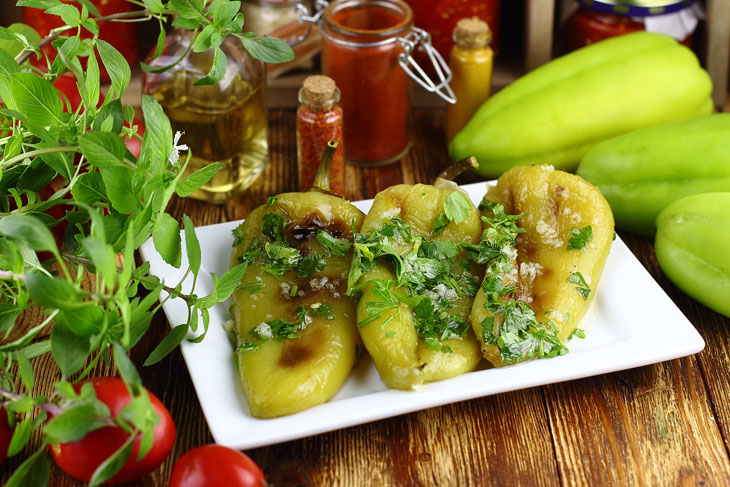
pixel 110 201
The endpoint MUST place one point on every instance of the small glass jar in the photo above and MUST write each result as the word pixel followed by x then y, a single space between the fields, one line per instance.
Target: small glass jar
pixel 224 122
pixel 360 52
pixel 319 120
pixel 597 20
pixel 471 62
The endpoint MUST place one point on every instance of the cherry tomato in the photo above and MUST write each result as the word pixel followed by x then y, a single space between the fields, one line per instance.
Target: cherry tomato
pixel 81 458
pixel 215 466
pixel 5 434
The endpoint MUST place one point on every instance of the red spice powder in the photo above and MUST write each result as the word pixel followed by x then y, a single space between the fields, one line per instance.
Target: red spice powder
pixel 314 129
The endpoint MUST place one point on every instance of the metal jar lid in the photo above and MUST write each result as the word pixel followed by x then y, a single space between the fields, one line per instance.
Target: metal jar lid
pixel 636 8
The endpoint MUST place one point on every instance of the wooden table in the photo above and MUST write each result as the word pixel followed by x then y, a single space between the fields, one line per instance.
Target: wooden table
pixel 664 424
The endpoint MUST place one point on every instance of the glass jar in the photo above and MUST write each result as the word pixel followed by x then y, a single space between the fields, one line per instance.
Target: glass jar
pixel 360 52
pixel 224 122
pixel 319 120
pixel 596 20
pixel 471 62
pixel 439 18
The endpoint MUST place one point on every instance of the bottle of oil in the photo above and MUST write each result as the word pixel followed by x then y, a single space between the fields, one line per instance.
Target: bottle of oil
pixel 224 122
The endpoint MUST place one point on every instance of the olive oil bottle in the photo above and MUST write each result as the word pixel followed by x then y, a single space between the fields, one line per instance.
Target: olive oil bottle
pixel 224 122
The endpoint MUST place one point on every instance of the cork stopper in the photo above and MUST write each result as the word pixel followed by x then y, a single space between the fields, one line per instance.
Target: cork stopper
pixel 473 32
pixel 318 88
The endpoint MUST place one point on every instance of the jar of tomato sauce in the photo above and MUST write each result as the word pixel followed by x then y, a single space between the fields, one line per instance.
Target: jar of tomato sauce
pixel 595 20
pixel 366 50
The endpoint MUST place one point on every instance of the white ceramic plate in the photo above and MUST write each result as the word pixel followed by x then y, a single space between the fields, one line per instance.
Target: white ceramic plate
pixel 632 322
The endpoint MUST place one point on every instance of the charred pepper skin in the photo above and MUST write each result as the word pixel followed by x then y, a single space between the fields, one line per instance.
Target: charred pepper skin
pixel 552 203
pixel 286 376
pixel 402 360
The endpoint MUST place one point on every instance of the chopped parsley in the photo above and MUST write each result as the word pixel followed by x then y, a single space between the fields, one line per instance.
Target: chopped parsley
pixel 520 336
pixel 582 285
pixel 425 270
pixel 282 329
pixel 577 333
pixel 311 264
pixel 579 238
pixel 270 201
pixel 457 209
pixel 335 246
pixel 237 236
pixel 274 227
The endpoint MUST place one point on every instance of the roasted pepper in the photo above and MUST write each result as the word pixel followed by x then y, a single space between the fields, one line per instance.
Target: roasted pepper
pixel 415 283
pixel 693 247
pixel 555 113
pixel 294 323
pixel 643 171
pixel 548 234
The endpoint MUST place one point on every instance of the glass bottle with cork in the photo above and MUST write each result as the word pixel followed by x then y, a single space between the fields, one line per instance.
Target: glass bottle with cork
pixel 224 122
pixel 319 120
pixel 471 65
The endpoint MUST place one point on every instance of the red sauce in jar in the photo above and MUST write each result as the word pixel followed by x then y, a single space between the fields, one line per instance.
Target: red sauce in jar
pixel 375 89
pixel 586 27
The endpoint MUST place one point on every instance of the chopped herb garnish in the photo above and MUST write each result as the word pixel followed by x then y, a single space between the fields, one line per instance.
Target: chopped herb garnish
pixel 583 288
pixel 428 272
pixel 273 227
pixel 280 258
pixel 237 236
pixel 577 333
pixel 282 329
pixel 333 245
pixel 440 223
pixel 293 290
pixel 310 264
pixel 389 334
pixel 457 207
pixel 520 336
pixel 270 201
pixel 579 238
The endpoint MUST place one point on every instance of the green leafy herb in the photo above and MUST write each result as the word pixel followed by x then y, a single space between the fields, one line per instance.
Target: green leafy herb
pixel 282 329
pixel 577 333
pixel 519 336
pixel 333 245
pixel 274 227
pixel 579 238
pixel 583 288
pixel 440 223
pixel 270 201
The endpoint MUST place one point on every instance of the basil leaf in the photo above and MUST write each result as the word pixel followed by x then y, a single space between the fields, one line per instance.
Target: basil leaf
pixel 192 245
pixel 35 471
pixel 168 344
pixel 30 229
pixel 157 141
pixel 103 149
pixel 8 314
pixel 220 62
pixel 189 9
pixel 118 182
pixel 127 370
pixel 117 67
pixel 68 349
pixel 228 283
pixel 89 188
pixel 190 184
pixel 166 237
pixel 37 99
pixel 113 464
pixel 267 49
pixel 74 423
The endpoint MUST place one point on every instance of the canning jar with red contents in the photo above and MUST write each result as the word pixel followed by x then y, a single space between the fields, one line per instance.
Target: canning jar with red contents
pixel 319 120
pixel 360 52
pixel 595 21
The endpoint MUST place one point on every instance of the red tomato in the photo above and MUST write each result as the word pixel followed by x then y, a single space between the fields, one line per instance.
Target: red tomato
pixel 81 458
pixel 5 434
pixel 216 466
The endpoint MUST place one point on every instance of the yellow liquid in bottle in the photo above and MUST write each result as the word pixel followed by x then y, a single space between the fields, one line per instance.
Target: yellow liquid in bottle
pixel 227 126
pixel 471 82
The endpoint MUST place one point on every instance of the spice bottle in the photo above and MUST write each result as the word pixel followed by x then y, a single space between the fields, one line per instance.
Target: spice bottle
pixel 224 122
pixel 319 120
pixel 471 65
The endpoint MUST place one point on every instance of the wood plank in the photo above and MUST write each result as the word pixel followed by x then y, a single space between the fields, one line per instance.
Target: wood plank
pixel 539 32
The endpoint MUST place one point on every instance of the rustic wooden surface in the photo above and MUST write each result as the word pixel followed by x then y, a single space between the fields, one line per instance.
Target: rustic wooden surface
pixel 664 424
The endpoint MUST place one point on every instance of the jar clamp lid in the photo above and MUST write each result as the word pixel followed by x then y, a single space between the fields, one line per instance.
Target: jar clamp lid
pixel 416 38
pixel 636 8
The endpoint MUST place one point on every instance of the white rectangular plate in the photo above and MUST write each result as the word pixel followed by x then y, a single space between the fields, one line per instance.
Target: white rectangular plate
pixel 632 322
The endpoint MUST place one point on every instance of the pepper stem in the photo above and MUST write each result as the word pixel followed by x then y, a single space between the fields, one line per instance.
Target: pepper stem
pixel 322 178
pixel 457 168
